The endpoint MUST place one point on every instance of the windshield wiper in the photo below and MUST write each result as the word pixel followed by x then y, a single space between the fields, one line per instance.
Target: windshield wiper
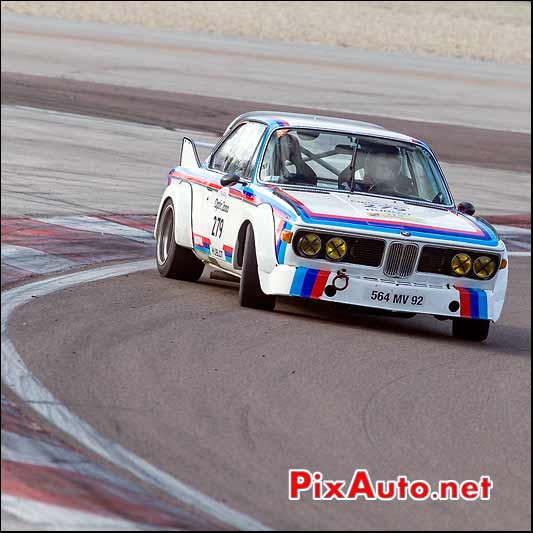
pixel 352 165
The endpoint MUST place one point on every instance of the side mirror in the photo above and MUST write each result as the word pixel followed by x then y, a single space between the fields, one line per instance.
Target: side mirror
pixel 466 208
pixel 229 179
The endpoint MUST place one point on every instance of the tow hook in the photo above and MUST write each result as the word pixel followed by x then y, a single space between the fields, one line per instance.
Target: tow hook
pixel 339 283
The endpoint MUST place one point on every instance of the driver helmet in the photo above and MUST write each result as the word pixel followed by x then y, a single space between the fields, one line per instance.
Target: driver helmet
pixel 386 164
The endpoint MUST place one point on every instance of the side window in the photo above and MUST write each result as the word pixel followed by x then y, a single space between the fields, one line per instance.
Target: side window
pixel 236 152
pixel 268 167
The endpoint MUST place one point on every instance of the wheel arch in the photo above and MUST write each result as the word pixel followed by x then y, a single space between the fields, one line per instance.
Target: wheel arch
pixel 239 245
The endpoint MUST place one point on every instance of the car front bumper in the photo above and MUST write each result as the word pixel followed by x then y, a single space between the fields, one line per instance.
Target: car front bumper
pixel 451 301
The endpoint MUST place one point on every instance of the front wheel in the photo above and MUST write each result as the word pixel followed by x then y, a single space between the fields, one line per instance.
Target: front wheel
pixel 471 329
pixel 250 292
pixel 174 261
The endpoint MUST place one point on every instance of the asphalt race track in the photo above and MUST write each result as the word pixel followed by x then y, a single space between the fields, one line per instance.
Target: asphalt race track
pixel 227 400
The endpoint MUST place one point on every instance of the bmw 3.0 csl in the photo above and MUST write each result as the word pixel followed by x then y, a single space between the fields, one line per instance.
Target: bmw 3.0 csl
pixel 334 210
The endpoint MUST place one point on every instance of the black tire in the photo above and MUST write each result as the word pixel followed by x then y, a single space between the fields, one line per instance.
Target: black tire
pixel 174 261
pixel 250 292
pixel 470 329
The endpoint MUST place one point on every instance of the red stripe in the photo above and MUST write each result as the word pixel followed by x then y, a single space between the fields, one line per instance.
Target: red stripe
pixel 195 179
pixel 320 284
pixel 465 302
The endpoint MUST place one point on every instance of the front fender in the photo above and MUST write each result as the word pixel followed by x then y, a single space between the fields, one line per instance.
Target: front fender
pixel 500 290
pixel 261 218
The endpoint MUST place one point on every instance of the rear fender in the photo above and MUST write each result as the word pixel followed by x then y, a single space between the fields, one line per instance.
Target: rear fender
pixel 180 192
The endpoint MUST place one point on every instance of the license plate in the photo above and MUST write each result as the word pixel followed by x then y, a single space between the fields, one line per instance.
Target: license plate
pixel 396 298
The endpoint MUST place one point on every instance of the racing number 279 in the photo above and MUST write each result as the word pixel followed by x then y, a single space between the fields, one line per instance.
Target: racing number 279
pixel 218 226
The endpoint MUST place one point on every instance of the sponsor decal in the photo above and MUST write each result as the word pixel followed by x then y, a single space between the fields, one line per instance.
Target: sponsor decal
pixel 221 205
pixel 228 253
pixel 474 303
pixel 202 244
pixel 309 283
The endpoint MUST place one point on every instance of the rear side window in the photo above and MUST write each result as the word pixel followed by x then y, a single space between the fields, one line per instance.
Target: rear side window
pixel 234 155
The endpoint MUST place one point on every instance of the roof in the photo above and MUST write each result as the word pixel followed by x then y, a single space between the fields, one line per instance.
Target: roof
pixel 299 120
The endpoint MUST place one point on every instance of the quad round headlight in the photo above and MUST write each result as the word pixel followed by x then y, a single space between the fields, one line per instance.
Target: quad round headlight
pixel 484 267
pixel 310 245
pixel 461 264
pixel 336 249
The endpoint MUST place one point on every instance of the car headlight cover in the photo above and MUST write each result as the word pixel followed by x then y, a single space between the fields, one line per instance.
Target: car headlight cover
pixel 310 245
pixel 461 264
pixel 336 249
pixel 484 267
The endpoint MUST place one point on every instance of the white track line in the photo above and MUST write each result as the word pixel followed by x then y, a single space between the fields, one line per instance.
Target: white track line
pixel 98 225
pixel 35 261
pixel 519 254
pixel 18 378
pixel 53 517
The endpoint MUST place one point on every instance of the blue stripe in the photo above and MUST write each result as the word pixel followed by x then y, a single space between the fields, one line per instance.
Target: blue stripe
pixel 281 252
pixel 298 281
pixel 205 249
pixel 483 304
pixel 309 282
pixel 474 303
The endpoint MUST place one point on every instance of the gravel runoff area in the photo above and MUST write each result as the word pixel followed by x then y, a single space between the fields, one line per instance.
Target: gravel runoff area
pixel 489 31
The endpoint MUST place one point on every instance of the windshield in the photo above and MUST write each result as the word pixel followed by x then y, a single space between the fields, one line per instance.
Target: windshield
pixel 353 164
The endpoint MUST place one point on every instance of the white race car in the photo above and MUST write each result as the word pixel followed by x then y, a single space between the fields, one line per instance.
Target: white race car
pixel 334 210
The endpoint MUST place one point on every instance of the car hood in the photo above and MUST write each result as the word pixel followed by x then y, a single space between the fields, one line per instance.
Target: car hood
pixel 388 216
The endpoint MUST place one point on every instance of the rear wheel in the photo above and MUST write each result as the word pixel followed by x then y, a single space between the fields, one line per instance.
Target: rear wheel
pixel 250 292
pixel 174 261
pixel 471 329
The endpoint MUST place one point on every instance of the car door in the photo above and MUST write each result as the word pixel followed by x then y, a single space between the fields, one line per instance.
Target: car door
pixel 220 215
